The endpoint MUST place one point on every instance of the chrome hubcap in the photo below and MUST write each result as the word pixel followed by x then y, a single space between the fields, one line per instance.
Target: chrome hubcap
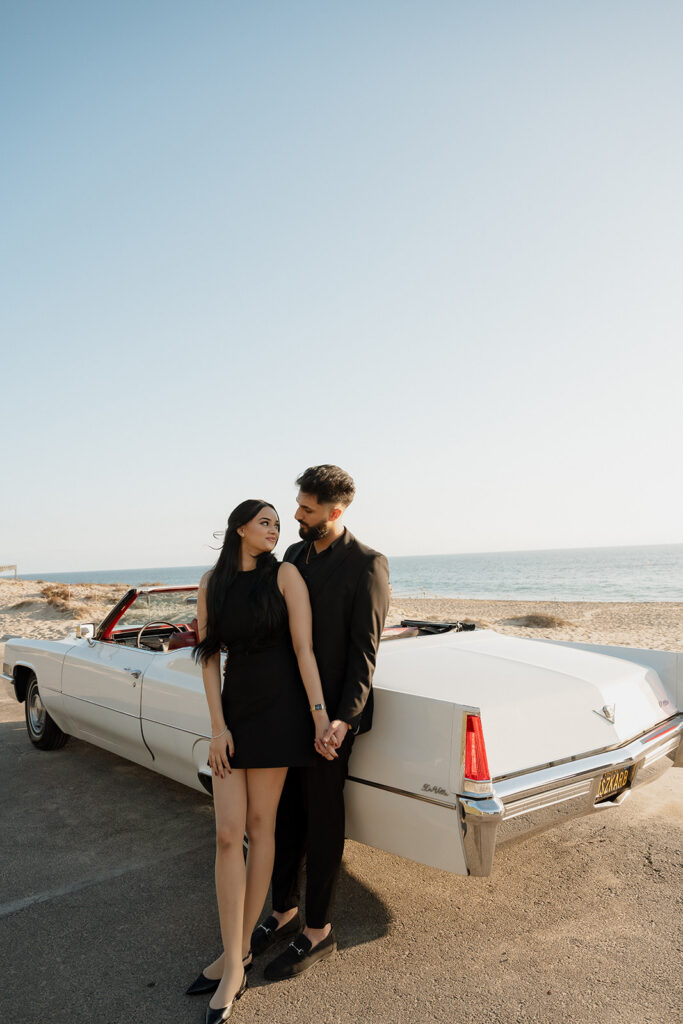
pixel 36 711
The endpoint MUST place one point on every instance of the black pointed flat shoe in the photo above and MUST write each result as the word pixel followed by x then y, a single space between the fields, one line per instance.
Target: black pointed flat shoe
pixel 265 934
pixel 221 1014
pixel 202 984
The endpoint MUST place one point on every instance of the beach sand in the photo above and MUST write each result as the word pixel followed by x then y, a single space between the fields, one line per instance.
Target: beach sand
pixel 654 625
pixel 48 610
pixel 34 609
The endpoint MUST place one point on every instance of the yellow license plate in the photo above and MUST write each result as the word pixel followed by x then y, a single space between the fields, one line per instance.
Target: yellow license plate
pixel 613 782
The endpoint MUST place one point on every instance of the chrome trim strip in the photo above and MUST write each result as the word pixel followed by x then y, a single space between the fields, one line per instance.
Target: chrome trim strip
pixel 8 679
pixel 661 752
pixel 558 796
pixel 97 704
pixel 590 753
pixel 587 765
pixel 403 792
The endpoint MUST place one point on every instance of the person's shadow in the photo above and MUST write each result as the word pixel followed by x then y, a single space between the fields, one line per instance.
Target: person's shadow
pixel 360 916
pixel 365 917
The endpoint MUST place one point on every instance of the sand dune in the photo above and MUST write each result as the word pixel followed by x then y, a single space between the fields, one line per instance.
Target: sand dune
pixel 34 609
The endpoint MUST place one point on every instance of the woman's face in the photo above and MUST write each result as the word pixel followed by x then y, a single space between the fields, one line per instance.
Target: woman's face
pixel 262 532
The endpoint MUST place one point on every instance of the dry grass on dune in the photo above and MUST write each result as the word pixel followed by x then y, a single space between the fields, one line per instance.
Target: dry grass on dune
pixel 58 595
pixel 537 621
pixel 78 601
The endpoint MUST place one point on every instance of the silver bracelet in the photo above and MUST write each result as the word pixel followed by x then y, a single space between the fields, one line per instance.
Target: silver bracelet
pixel 218 734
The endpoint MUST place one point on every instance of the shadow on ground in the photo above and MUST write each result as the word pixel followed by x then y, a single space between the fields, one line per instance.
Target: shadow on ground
pixel 107 903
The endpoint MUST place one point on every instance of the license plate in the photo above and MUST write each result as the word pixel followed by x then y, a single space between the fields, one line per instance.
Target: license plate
pixel 614 782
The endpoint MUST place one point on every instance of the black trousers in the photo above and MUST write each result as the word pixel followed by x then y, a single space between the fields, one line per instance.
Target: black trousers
pixel 310 828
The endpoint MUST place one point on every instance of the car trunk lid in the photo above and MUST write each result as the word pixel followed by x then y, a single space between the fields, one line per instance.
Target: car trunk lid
pixel 540 703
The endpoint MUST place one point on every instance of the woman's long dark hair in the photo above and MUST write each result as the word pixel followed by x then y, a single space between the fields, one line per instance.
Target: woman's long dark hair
pixel 269 608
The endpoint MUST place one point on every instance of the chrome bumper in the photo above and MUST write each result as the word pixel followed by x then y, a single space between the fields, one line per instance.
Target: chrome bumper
pixel 535 801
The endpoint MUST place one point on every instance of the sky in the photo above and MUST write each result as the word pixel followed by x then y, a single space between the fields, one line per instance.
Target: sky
pixel 436 243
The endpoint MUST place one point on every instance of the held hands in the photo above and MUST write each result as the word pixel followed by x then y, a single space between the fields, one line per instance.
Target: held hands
pixel 219 748
pixel 332 739
pixel 322 725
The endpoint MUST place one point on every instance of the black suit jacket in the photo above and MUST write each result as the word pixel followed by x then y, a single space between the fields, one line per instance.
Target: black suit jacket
pixel 349 600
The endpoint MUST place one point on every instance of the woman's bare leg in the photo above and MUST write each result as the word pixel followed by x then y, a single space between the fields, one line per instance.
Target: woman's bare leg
pixel 264 786
pixel 230 803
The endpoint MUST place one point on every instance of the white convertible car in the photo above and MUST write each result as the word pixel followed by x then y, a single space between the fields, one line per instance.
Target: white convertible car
pixel 478 739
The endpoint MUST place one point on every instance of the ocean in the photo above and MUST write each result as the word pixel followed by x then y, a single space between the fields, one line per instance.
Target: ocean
pixel 652 573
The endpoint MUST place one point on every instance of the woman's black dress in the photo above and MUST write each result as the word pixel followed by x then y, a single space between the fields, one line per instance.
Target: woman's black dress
pixel 264 701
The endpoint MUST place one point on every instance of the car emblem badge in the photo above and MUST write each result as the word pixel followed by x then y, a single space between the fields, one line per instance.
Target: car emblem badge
pixel 608 712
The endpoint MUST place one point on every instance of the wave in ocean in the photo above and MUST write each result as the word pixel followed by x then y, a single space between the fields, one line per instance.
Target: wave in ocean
pixel 652 573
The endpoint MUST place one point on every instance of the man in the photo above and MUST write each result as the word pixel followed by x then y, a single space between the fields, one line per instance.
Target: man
pixel 348 585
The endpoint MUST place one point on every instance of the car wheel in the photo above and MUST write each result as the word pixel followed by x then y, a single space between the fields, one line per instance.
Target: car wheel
pixel 42 729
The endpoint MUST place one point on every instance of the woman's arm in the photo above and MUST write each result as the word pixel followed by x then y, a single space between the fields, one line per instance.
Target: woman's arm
pixel 295 593
pixel 211 677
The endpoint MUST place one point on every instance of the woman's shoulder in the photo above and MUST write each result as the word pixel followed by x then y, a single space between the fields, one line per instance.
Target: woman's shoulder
pixel 286 573
pixel 204 581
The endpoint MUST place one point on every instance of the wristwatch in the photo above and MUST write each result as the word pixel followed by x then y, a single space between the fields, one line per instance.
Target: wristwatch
pixel 318 707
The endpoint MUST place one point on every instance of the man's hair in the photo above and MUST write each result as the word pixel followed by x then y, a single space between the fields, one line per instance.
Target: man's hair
pixel 328 484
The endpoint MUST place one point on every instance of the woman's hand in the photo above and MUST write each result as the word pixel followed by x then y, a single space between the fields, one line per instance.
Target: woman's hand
pixel 219 748
pixel 322 726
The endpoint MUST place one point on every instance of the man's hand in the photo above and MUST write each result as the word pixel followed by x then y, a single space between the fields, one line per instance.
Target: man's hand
pixel 334 736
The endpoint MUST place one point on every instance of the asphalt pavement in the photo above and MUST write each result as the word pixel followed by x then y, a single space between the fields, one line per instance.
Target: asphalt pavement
pixel 107 911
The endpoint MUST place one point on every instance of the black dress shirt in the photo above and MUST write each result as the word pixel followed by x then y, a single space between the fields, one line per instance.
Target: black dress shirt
pixel 309 562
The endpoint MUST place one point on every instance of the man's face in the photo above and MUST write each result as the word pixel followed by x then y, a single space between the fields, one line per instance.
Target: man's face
pixel 312 517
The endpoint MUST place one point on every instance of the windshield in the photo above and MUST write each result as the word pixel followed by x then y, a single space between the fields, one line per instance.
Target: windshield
pixel 176 606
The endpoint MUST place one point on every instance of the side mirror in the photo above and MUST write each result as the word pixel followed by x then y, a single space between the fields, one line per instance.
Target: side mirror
pixel 86 632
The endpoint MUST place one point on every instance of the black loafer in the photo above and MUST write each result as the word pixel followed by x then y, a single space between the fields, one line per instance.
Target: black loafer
pixel 299 956
pixel 265 934
pixel 223 1012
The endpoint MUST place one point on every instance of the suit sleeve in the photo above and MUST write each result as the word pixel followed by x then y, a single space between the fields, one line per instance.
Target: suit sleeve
pixel 370 607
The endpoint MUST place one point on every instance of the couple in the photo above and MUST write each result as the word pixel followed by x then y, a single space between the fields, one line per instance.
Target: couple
pixel 302 637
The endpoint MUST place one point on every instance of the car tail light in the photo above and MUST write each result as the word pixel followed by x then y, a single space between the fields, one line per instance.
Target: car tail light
pixel 476 763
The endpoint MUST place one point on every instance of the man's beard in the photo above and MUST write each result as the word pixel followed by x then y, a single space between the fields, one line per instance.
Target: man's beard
pixel 313 533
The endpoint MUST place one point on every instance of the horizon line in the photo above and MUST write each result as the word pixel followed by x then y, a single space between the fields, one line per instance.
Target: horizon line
pixel 434 554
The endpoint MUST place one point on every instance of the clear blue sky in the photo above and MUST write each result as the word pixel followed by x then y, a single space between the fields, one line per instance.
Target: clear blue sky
pixel 438 243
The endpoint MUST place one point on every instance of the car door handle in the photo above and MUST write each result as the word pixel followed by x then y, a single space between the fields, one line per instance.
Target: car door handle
pixel 135 673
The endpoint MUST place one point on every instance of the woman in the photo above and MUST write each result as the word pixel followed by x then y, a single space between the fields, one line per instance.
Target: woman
pixel 260 724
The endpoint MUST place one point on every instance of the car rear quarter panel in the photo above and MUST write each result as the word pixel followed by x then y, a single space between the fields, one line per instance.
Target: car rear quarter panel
pixel 401 792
